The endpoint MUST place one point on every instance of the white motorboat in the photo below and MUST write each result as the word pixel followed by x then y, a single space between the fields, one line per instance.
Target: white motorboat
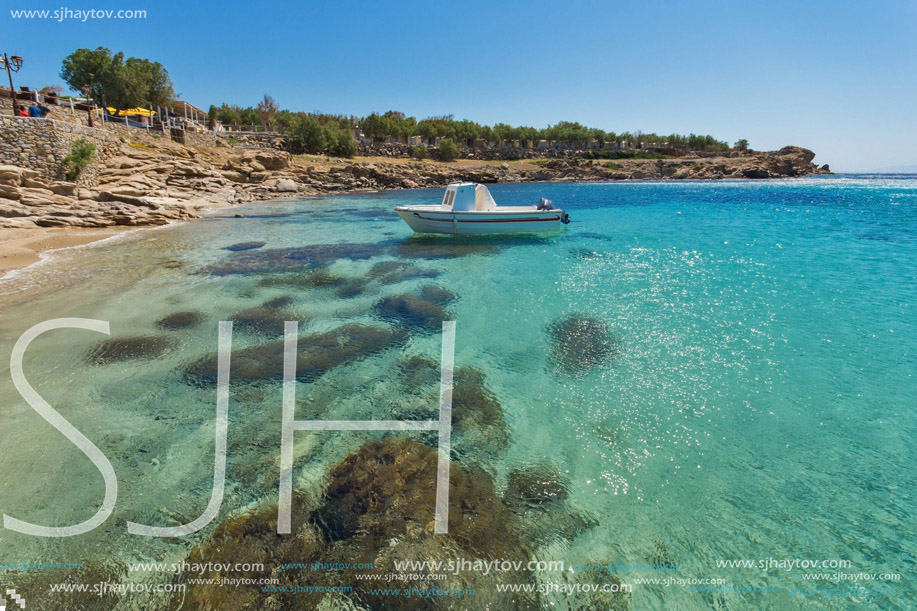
pixel 469 208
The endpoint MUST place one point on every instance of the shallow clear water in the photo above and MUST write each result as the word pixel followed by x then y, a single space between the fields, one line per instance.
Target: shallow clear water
pixel 760 403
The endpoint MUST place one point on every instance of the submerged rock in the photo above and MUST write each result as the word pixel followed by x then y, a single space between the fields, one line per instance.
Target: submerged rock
pixel 581 342
pixel 129 348
pixel 317 354
pixel 180 320
pixel 378 508
pixel 424 311
pixel 244 246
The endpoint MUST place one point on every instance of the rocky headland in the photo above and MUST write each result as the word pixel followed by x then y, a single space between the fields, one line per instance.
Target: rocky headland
pixel 154 184
pixel 139 178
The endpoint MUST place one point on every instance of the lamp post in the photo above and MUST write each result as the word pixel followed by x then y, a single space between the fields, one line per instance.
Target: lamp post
pixel 11 64
pixel 86 90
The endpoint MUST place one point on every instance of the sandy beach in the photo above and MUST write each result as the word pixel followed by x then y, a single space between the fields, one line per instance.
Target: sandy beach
pixel 22 247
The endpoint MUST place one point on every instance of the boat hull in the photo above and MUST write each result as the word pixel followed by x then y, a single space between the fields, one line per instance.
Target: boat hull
pixel 447 221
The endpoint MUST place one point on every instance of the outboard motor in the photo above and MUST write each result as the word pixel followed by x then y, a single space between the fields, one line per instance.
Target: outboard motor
pixel 565 219
pixel 544 204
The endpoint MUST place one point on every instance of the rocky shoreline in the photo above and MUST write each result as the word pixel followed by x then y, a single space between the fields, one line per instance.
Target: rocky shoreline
pixel 151 181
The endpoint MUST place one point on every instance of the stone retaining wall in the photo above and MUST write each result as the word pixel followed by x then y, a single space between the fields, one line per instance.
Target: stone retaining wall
pixel 41 145
pixel 201 139
pixel 253 140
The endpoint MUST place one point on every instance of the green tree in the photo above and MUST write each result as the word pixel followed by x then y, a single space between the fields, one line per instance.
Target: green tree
pixel 228 115
pixel 249 116
pixel 741 145
pixel 150 81
pixel 117 82
pixel 447 150
pixel 89 67
pixel 375 126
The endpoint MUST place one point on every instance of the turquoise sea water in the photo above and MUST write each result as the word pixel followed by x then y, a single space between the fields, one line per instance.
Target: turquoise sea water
pixel 759 404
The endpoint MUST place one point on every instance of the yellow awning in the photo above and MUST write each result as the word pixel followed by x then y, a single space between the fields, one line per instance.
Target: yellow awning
pixel 131 112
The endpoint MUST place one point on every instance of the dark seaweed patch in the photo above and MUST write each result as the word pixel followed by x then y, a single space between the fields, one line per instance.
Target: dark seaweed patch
pixel 318 278
pixel 317 354
pixel 411 311
pixel 293 259
pixel 352 287
pixel 477 413
pixel 430 247
pixel 436 294
pixel 594 236
pixel 535 486
pixel 581 342
pixel 477 416
pixel 392 272
pixel 180 320
pixel 129 348
pixel 324 278
pixel 262 320
pixel 268 318
pixel 377 508
pixel 416 372
pixel 39 589
pixel 244 246
pixel 280 302
pixel 252 535
pixel 587 254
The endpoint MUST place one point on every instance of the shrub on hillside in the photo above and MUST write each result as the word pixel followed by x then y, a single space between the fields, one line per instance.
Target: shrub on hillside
pixel 81 153
pixel 341 143
pixel 309 135
pixel 447 150
pixel 420 152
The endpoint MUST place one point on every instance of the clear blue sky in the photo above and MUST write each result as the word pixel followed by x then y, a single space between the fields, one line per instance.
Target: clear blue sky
pixel 836 77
